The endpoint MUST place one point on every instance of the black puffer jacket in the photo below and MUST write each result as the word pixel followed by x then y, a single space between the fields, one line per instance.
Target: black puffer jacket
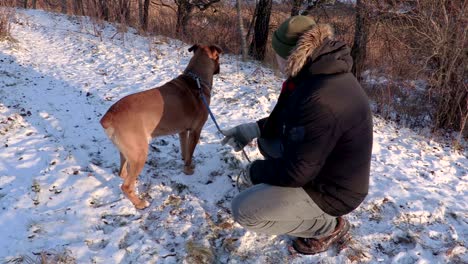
pixel 324 122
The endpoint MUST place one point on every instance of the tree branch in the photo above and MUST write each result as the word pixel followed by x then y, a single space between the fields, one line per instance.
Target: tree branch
pixel 203 6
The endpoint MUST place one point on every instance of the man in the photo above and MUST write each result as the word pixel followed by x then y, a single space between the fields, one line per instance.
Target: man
pixel 317 143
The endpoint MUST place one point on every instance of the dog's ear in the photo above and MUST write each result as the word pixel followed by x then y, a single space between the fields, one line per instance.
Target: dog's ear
pixel 193 48
pixel 216 48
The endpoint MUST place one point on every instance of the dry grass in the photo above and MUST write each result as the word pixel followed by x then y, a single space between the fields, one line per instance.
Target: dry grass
pixel 44 257
pixel 197 253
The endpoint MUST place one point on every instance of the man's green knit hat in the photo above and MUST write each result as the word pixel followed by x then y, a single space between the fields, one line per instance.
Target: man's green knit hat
pixel 286 36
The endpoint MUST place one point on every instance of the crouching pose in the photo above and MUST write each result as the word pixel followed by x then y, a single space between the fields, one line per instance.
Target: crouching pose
pixel 317 143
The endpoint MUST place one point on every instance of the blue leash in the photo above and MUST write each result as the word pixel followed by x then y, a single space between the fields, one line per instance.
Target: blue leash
pixel 202 97
pixel 208 107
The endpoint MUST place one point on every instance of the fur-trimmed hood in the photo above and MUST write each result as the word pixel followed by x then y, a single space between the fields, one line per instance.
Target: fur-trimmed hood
pixel 319 53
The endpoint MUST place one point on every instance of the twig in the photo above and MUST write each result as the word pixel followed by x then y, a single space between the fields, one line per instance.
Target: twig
pixel 169 255
pixel 104 204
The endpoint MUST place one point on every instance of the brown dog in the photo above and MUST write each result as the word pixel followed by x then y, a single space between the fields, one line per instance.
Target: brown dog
pixel 175 107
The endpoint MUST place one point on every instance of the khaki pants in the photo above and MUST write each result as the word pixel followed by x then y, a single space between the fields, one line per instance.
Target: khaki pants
pixel 277 210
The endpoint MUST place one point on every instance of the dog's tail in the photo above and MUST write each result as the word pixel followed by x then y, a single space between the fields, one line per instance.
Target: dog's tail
pixel 106 123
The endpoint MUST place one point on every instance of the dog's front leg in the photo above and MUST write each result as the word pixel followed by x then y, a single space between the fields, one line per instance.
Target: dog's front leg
pixel 183 138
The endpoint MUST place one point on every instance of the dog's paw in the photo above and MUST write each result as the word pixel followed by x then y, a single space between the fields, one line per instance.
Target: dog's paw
pixel 142 204
pixel 189 170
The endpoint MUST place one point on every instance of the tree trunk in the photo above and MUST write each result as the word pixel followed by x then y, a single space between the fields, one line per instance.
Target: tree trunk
pixel 361 37
pixel 34 4
pixel 184 9
pixel 124 13
pixel 121 11
pixel 145 19
pixel 64 7
pixel 103 5
pixel 241 30
pixel 78 8
pixel 252 22
pixel 128 14
pixel 140 12
pixel 25 4
pixel 258 46
pixel 296 7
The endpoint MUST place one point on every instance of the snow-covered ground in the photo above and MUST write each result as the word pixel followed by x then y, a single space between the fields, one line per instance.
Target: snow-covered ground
pixel 60 196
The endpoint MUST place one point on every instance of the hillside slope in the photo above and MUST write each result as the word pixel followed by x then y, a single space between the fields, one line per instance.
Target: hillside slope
pixel 59 193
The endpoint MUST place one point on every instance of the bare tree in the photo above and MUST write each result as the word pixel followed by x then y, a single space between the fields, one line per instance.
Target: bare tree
pixel 251 24
pixel 5 23
pixel 241 30
pixel 78 7
pixel 140 12
pixel 434 33
pixel 22 3
pixel 311 4
pixel 261 29
pixel 185 9
pixel 440 34
pixel 53 4
pixel 361 38
pixel 34 4
pixel 124 7
pixel 146 8
pixel 296 7
pixel 103 9
pixel 64 6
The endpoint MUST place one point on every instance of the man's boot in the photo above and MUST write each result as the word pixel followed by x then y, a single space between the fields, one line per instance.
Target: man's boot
pixel 310 246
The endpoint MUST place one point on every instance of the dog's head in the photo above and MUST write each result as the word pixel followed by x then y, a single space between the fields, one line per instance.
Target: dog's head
pixel 212 52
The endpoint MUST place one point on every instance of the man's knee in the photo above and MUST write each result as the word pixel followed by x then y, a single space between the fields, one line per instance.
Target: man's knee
pixel 246 209
pixel 238 210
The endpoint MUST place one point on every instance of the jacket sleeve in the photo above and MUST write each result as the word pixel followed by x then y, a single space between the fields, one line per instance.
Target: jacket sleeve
pixel 267 125
pixel 302 158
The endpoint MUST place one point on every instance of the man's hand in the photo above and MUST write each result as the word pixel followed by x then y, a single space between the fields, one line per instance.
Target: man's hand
pixel 239 136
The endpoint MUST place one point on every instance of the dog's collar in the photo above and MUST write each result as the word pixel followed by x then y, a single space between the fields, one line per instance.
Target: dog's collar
pixel 197 79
